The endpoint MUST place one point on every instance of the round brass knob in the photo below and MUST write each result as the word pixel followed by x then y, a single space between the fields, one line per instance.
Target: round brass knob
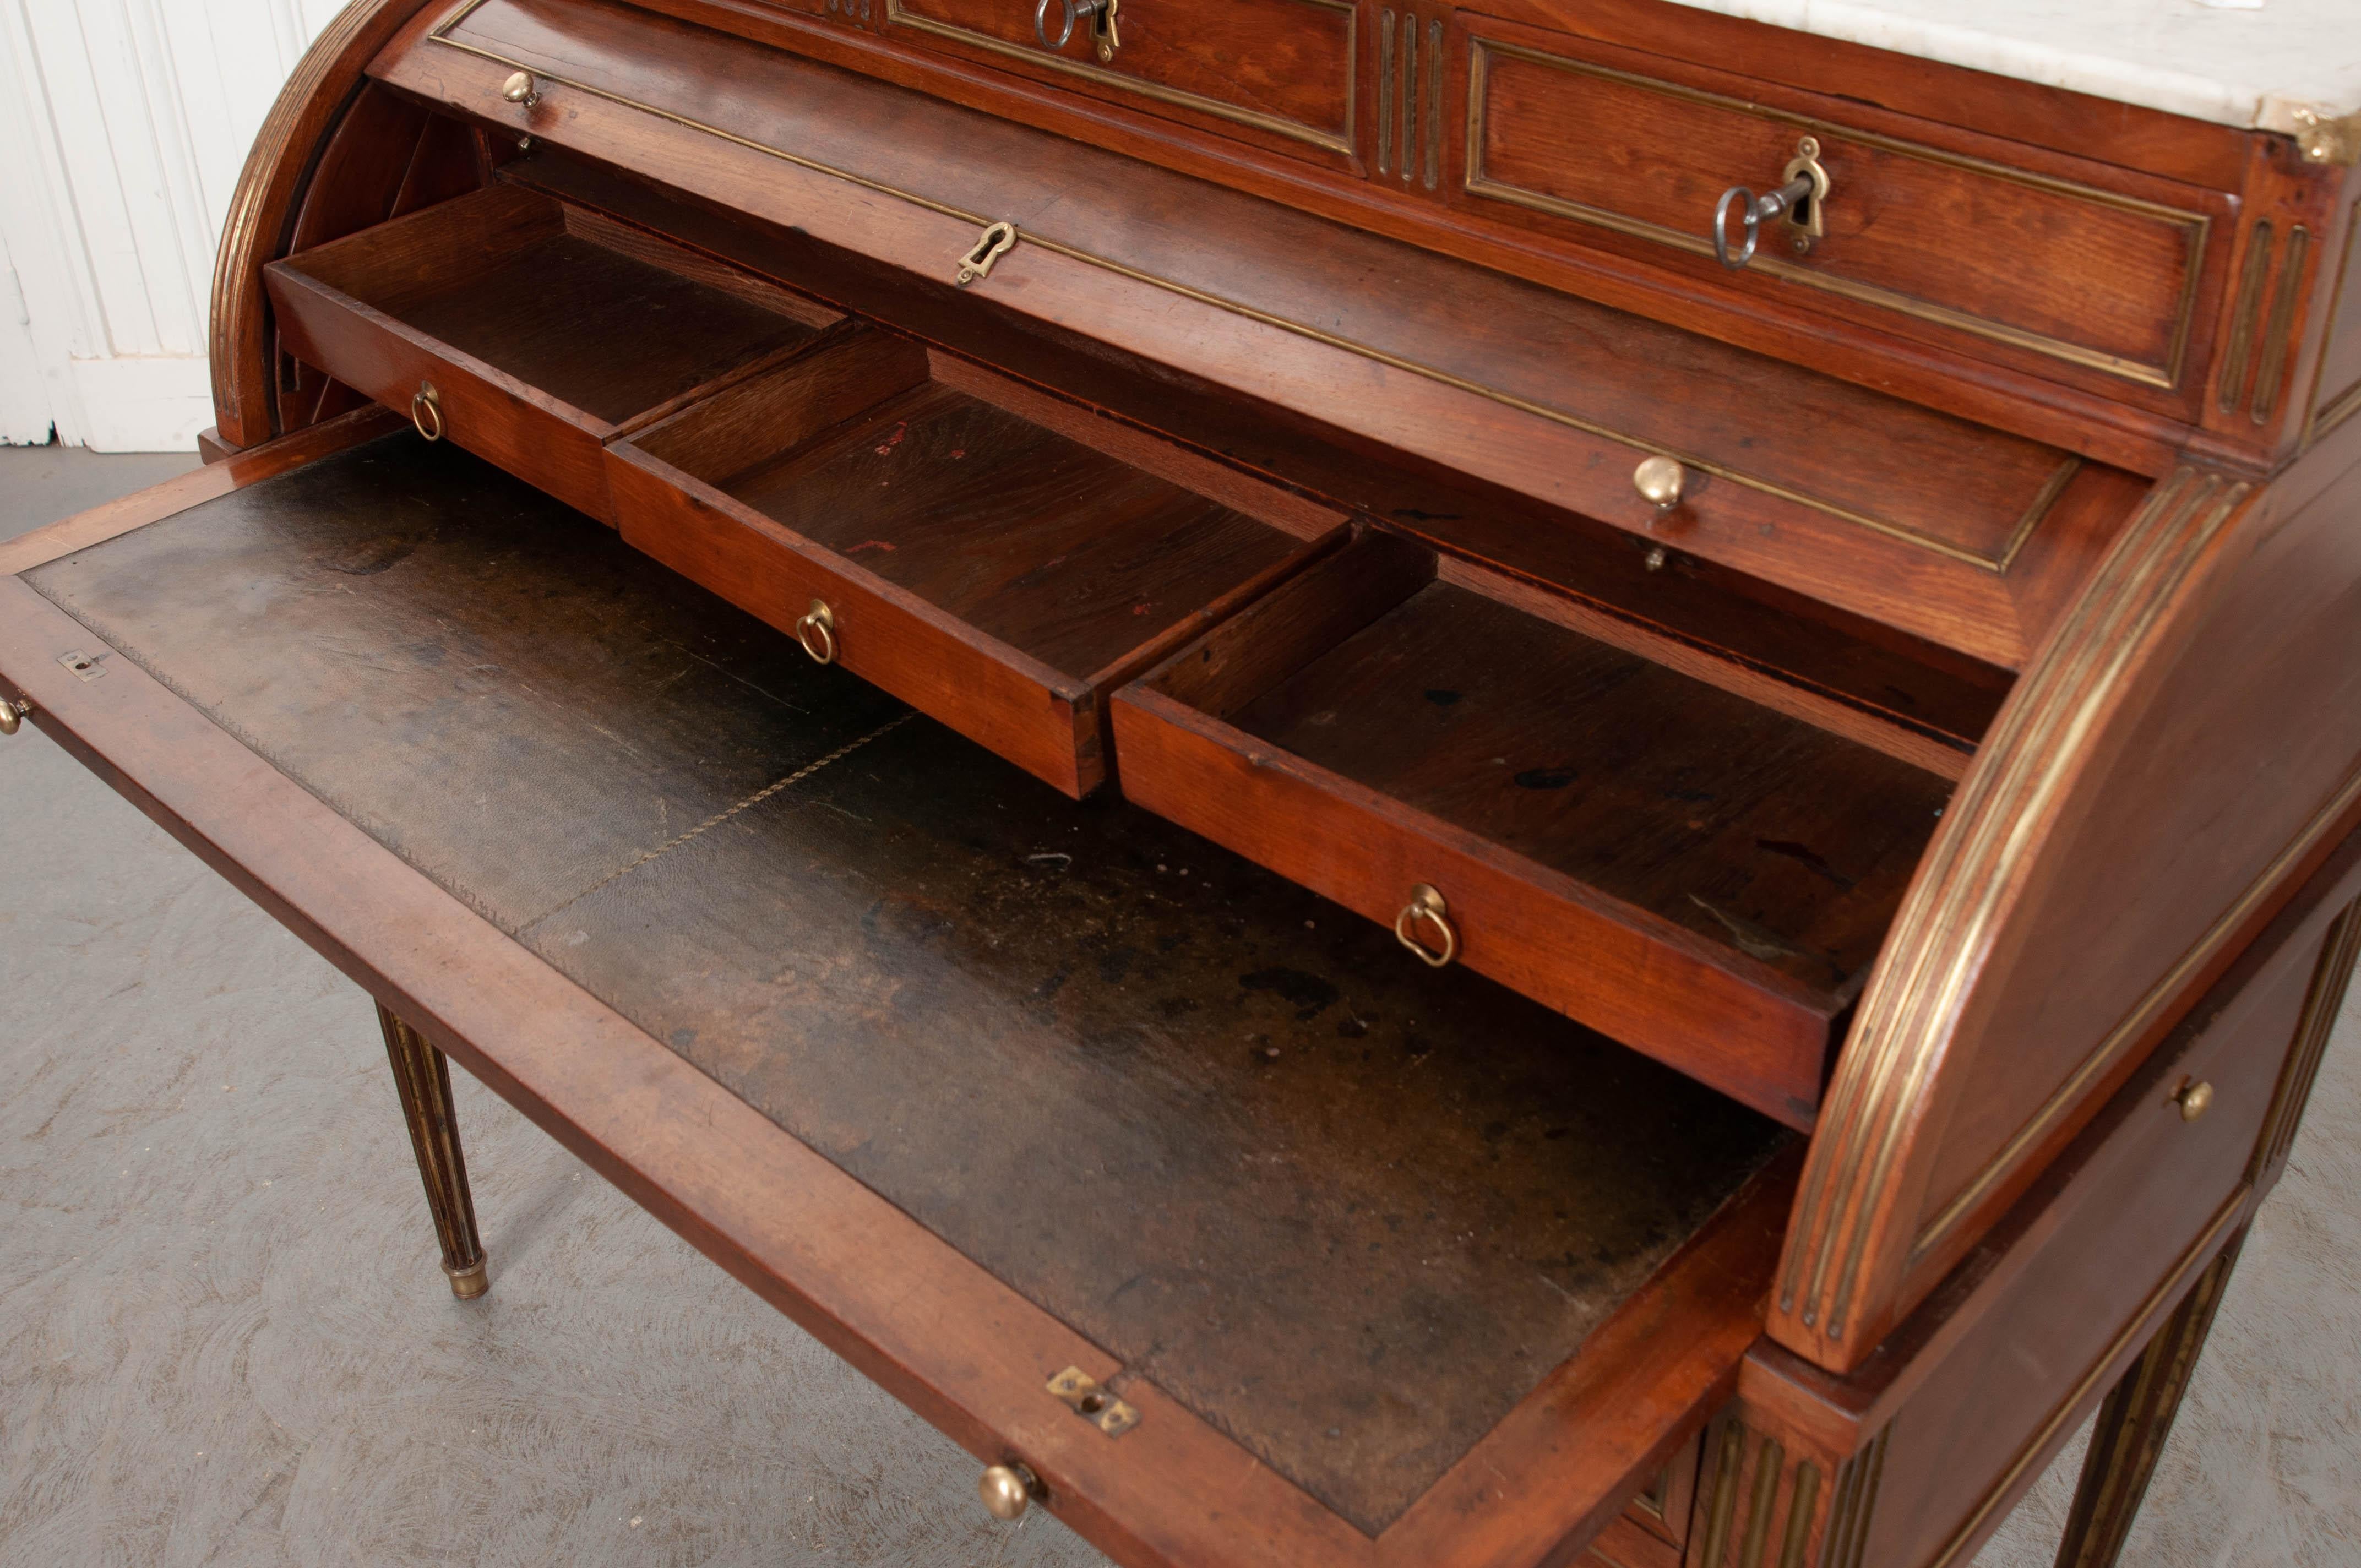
pixel 12 714
pixel 1660 481
pixel 2194 1097
pixel 817 632
pixel 1006 1490
pixel 521 90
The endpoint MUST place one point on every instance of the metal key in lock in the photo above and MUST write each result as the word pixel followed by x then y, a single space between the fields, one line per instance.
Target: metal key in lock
pixel 1102 12
pixel 1799 201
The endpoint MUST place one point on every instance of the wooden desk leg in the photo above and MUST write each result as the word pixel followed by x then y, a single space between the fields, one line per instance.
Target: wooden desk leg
pixel 422 1075
pixel 2134 1421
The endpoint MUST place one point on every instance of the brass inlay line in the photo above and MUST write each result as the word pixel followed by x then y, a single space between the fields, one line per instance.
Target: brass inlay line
pixel 2282 323
pixel 2322 418
pixel 2197 225
pixel 1036 239
pixel 1405 99
pixel 1433 104
pixel 1856 1505
pixel 2090 1380
pixel 1801 1503
pixel 1770 1458
pixel 2318 1020
pixel 2242 317
pixel 1297 130
pixel 2142 1013
pixel 1948 921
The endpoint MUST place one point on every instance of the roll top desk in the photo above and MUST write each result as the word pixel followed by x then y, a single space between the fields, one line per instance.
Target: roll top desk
pixel 1384 784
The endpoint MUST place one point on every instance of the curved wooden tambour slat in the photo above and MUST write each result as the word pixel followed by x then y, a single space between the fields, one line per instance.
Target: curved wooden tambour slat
pixel 2126 825
pixel 1855 1210
pixel 269 191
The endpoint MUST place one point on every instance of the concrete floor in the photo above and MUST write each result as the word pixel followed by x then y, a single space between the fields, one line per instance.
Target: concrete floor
pixel 224 1337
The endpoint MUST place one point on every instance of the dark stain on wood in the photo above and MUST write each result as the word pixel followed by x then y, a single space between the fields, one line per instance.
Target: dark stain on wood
pixel 1299 1181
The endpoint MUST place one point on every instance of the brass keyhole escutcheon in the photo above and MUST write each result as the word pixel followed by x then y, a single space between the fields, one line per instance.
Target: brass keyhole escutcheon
pixel 426 411
pixel 1803 192
pixel 1426 907
pixel 2194 1097
pixel 996 241
pixel 817 632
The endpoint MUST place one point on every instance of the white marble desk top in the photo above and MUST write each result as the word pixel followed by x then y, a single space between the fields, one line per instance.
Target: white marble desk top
pixel 2251 63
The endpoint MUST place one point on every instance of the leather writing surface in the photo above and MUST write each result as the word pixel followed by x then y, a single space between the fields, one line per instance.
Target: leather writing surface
pixel 1347 1209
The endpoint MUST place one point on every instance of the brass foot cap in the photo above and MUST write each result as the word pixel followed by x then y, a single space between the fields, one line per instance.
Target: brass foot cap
pixel 470 1282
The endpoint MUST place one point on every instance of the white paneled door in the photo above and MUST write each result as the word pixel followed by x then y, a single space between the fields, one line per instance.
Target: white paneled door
pixel 124 122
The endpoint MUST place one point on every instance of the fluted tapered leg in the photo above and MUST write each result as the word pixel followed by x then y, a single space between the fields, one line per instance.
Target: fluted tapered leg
pixel 2134 1421
pixel 422 1075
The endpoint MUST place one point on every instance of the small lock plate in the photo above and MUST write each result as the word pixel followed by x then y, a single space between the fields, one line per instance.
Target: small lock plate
pixel 82 665
pixel 1082 1394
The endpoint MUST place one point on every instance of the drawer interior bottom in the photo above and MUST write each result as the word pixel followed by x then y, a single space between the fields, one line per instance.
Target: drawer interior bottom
pixel 1348 1213
pixel 1062 552
pixel 1751 828
pixel 607 333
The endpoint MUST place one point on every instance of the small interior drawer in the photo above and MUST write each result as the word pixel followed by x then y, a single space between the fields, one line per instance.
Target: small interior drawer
pixel 2068 265
pixel 1663 857
pixel 527 331
pixel 921 523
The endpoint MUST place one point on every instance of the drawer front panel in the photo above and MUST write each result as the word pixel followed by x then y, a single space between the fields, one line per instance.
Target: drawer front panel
pixel 2091 277
pixel 1534 933
pixel 1284 67
pixel 481 409
pixel 884 637
pixel 2153 1195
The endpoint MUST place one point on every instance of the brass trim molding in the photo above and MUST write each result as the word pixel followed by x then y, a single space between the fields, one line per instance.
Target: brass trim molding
pixel 1856 1505
pixel 243 247
pixel 2197 226
pixel 2175 1279
pixel 2320 418
pixel 1744 1466
pixel 2038 508
pixel 1297 130
pixel 2330 977
pixel 2278 336
pixel 2143 1014
pixel 1956 906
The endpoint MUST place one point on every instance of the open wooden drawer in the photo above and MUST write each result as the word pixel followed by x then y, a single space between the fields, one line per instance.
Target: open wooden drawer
pixel 528 331
pixel 1370 1268
pixel 1695 863
pixel 926 525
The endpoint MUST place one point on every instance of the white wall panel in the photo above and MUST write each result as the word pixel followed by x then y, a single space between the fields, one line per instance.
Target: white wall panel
pixel 128 121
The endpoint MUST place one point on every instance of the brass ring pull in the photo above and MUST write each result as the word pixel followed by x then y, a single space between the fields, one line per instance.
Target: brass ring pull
pixel 1426 904
pixel 426 411
pixel 817 632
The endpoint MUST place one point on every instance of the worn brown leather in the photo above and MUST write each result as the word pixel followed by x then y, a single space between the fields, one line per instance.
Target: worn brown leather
pixel 1346 1207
